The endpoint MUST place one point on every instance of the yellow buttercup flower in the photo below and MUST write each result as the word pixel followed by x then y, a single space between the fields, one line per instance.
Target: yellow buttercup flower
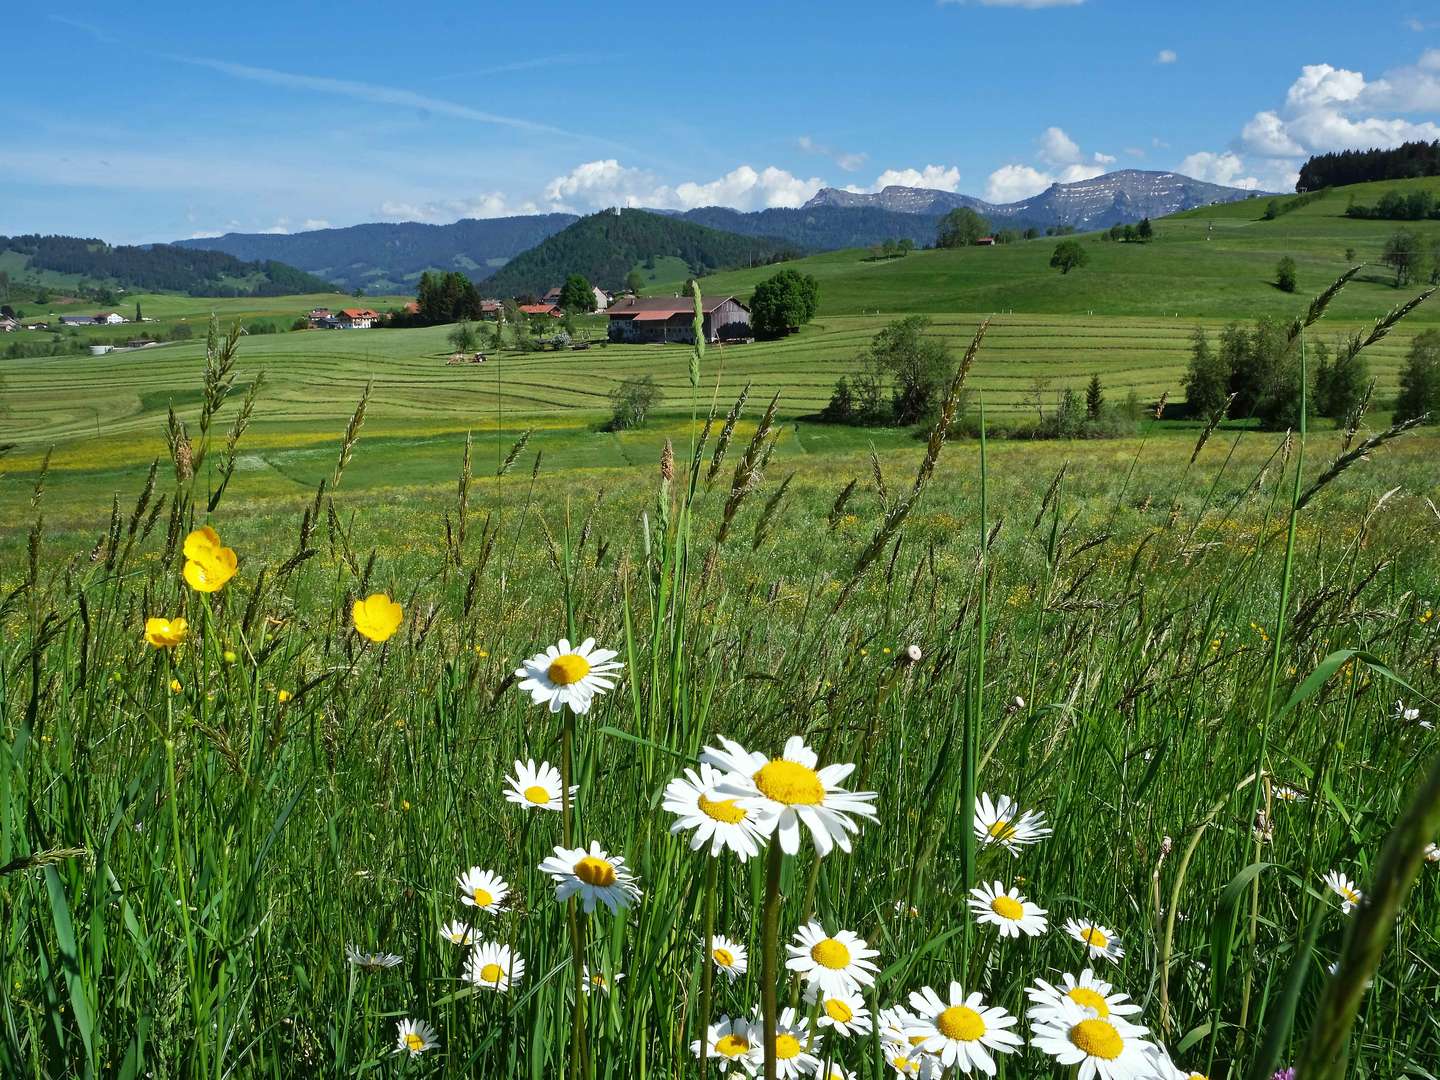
pixel 208 563
pixel 282 696
pixel 166 633
pixel 377 617
pixel 174 686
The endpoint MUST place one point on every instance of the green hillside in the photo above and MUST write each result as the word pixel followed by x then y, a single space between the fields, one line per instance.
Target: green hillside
pixel 1217 262
pixel 605 247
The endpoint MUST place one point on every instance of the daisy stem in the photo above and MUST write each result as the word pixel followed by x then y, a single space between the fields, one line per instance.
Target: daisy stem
pixel 707 920
pixel 769 934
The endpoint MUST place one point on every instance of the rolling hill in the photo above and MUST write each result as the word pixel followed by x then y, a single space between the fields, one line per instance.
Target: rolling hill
pixel 605 247
pixel 80 263
pixel 1214 262
pixel 384 257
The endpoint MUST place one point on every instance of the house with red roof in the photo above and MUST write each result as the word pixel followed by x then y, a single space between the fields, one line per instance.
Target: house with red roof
pixel 356 318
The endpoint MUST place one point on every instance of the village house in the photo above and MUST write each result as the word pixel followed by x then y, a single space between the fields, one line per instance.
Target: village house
pixel 602 298
pixel 319 317
pixel 7 324
pixel 355 318
pixel 110 318
pixel 541 309
pixel 77 320
pixel 655 319
pixel 491 309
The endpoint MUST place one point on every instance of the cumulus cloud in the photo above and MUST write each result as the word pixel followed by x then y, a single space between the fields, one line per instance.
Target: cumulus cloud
pixel 1011 183
pixel 746 189
pixel 1218 168
pixel 1057 148
pixel 1066 164
pixel 485 205
pixel 595 185
pixel 938 177
pixel 1166 56
pixel 314 223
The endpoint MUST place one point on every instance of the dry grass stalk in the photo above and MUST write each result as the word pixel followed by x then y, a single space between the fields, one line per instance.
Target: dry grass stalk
pixel 750 470
pixel 727 432
pixel 837 508
pixel 515 452
pixel 352 435
pixel 1360 453
pixel 1211 425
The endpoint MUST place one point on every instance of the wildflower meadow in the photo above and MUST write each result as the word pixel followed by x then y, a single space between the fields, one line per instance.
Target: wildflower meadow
pixel 968 760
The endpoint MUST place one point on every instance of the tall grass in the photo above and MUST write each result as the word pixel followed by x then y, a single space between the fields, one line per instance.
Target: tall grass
pixel 189 839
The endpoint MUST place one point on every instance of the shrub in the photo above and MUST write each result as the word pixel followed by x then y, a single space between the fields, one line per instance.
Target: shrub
pixel 632 401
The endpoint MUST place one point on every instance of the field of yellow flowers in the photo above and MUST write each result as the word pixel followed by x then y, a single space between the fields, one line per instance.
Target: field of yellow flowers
pixel 968 761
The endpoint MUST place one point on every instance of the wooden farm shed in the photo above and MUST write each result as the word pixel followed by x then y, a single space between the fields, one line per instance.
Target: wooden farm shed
pixel 658 319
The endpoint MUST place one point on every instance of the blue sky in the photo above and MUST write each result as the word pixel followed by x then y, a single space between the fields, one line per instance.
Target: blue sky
pixel 172 120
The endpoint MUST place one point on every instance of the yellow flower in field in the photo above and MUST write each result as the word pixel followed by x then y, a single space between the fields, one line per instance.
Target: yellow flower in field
pixel 174 686
pixel 229 656
pixel 377 617
pixel 166 633
pixel 208 563
pixel 282 696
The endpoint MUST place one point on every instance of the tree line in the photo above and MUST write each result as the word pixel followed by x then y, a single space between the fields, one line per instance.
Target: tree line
pixel 1397 206
pixel 1403 162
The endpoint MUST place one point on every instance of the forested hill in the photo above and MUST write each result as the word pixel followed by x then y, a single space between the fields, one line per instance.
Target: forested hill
pixel 605 247
pixel 1407 161
pixel 156 268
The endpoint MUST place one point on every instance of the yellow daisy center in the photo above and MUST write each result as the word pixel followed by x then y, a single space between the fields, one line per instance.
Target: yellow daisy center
pixel 790 782
pixel 724 957
pixel 787 1047
pixel 721 810
pixel 1090 999
pixel 481 897
pixel 414 1043
pixel 596 872
pixel 838 1010
pixel 900 1063
pixel 1002 830
pixel 491 973
pixel 1094 938
pixel 1098 1038
pixel 1197 1076
pixel 1007 907
pixel 568 669
pixel 536 794
pixel 1350 894
pixel 960 1023
pixel 732 1046
pixel 830 953
pixel 916 1040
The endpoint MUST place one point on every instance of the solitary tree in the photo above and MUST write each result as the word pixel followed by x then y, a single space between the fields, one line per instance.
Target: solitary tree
pixel 783 302
pixel 1403 254
pixel 1420 381
pixel 918 366
pixel 1341 386
pixel 1094 398
pixel 1207 381
pixel 961 227
pixel 1285 274
pixel 576 295
pixel 635 281
pixel 463 337
pixel 1068 255
pixel 632 401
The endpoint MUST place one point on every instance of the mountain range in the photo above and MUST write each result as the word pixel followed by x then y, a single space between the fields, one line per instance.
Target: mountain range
pixel 385 257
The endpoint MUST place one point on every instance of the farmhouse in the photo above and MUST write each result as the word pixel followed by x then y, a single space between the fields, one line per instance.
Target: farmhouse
pixel 490 309
pixel 318 317
pixel 110 318
pixel 7 324
pixel 540 309
pixel 355 318
pixel 985 241
pixel 662 319
pixel 77 320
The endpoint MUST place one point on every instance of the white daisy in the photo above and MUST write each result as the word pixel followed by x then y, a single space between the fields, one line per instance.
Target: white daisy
pixel 909 1060
pixel 1110 1048
pixel 1099 941
pixel 1163 1067
pixel 837 965
pixel 836 1072
pixel 493 966
pixel 1344 888
pixel 1432 852
pixel 537 787
pixel 562 676
pixel 1089 991
pixel 376 961
pixel 1007 910
pixel 729 956
pixel 795 1046
pixel 482 889
pixel 1002 822
pixel 458 933
pixel 1408 716
pixel 415 1037
pixel 599 980
pixel 733 1042
pixel 594 875
pixel 963 1032
pixel 845 1014
pixel 716 819
pixel 787 791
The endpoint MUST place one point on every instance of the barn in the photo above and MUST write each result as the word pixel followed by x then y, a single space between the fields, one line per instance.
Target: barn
pixel 659 319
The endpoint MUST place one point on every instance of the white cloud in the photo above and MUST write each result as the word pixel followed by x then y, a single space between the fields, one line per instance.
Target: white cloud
pixel 848 161
pixel 1057 148
pixel 1104 159
pixel 1073 173
pixel 1166 56
pixel 1135 151
pixel 1011 183
pixel 938 177
pixel 1266 134
pixel 595 185
pixel 484 205
pixel 746 189
pixel 314 223
pixel 1217 168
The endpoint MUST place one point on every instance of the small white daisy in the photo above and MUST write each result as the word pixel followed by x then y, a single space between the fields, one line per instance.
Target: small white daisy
pixel 1343 887
pixel 1099 941
pixel 795 1046
pixel 1002 822
pixel 594 875
pixel 733 1043
pixel 909 1060
pixel 415 1037
pixel 1089 991
pixel 458 933
pixel 716 819
pixel 1432 852
pixel 836 964
pixel 845 1014
pixel 729 956
pixel 894 1021
pixel 599 980
pixel 493 966
pixel 785 792
pixel 562 676
pixel 376 961
pixel 1405 715
pixel 963 1032
pixel 482 889
pixel 537 787
pixel 1007 910
pixel 1110 1048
